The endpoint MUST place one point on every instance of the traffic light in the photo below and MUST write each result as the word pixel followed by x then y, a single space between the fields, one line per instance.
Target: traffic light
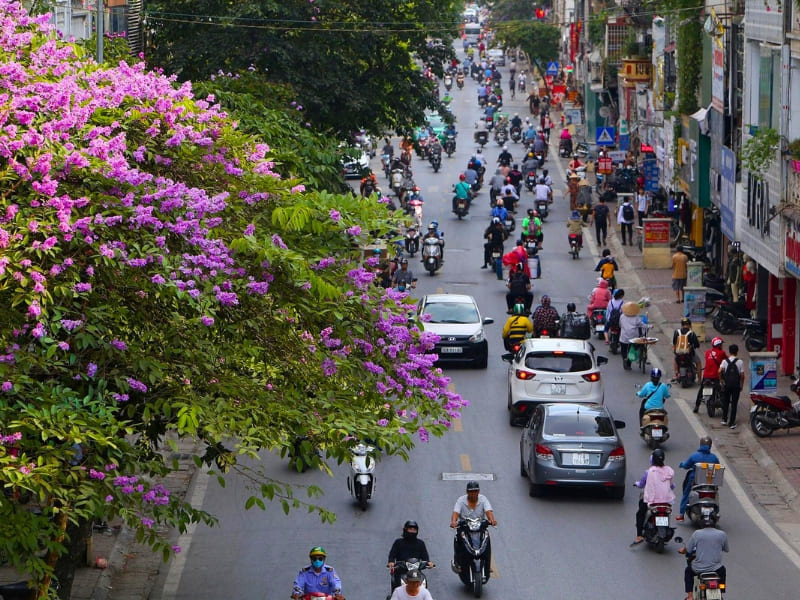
pixel 541 13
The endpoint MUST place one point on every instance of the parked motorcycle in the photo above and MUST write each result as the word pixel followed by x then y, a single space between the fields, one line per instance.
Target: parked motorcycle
pixel 687 370
pixel 472 537
pixel 657 531
pixel 755 337
pixel 543 208
pixel 412 241
pixel 431 255
pixel 361 481
pixel 450 145
pixel 654 427
pixel 709 395
pixel 728 315
pixel 770 412
pixel 19 590
pixel 598 322
pixel 695 253
pixel 704 494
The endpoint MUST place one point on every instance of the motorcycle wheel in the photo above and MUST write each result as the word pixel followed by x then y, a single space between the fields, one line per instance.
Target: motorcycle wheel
pixel 653 443
pixel 757 424
pixel 613 343
pixel 575 252
pixel 686 381
pixel 659 545
pixel 711 406
pixel 435 167
pixel 477 582
pixel 361 494
pixel 754 344
pixel 723 325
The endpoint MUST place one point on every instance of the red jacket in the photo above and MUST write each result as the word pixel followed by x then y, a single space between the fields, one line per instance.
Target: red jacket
pixel 714 358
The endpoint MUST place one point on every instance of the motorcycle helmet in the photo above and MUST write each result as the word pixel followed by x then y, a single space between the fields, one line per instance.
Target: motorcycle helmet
pixel 657 457
pixel 473 486
pixel 541 180
pixel 317 551
pixel 655 374
pixel 431 227
pixel 519 309
pixel 505 148
pixel 716 342
pixel 462 177
pixel 414 576
pixel 545 300
pixel 410 535
pixel 403 261
pixel 575 156
pixel 495 220
pixel 575 215
pixel 515 166
pixel 531 212
pixel 508 179
pixel 376 251
pixel 516 115
pixel 705 441
pixel 435 224
pixel 571 307
pixel 686 321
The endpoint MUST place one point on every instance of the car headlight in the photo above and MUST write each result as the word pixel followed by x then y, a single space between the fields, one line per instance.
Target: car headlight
pixel 477 337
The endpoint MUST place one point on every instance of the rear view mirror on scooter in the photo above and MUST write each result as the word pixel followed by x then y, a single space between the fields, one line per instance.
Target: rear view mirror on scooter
pixel 508 356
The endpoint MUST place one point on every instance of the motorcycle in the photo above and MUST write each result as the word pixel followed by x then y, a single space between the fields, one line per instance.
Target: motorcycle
pixel 481 138
pixel 489 120
pixel 460 81
pixel 412 241
pixel 755 337
pixel 582 149
pixel 436 161
pixel 414 205
pixel 704 494
pixel 713 296
pixel 543 208
pixel 450 145
pixel 598 322
pixel 530 181
pixel 472 537
pixel 687 370
pixel 707 586
pixel 516 134
pixel 448 82
pixel 534 264
pixel 361 481
pixel 657 531
pixel 709 394
pixel 482 101
pixel 565 148
pixel 402 567
pixel 728 315
pixel 386 161
pixel 501 136
pixel 462 208
pixel 613 338
pixel 574 246
pixel 770 412
pixel 431 255
pixel 654 427
pixel 510 223
pixel 19 590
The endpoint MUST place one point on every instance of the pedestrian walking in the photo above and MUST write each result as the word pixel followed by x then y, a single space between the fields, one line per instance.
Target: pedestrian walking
pixel 626 216
pixel 679 272
pixel 602 219
pixel 731 375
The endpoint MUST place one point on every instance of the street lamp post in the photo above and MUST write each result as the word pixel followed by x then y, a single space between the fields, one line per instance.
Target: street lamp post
pixel 100 25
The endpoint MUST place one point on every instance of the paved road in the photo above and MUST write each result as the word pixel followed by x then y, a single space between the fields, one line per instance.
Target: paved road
pixel 564 545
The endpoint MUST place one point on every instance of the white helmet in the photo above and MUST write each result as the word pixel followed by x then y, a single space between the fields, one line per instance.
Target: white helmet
pixel 505 147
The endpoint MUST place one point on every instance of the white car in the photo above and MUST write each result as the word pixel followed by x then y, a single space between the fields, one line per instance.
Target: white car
pixel 496 56
pixel 455 318
pixel 356 168
pixel 552 370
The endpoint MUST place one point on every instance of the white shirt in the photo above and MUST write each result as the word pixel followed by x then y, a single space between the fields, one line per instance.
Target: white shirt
pixel 641 202
pixel 542 191
pixel 400 593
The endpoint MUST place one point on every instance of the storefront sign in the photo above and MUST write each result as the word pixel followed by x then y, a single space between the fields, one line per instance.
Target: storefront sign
pixel 727 194
pixel 718 78
pixel 604 165
pixel 792 262
pixel 656 232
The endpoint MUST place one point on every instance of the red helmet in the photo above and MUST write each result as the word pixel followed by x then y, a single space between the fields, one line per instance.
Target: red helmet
pixel 716 342
pixel 462 177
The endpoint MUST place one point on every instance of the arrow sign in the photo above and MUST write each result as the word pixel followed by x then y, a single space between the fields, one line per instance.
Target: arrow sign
pixel 605 136
pixel 552 68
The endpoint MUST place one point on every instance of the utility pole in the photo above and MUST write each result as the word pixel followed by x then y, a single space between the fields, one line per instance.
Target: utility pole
pixel 99 28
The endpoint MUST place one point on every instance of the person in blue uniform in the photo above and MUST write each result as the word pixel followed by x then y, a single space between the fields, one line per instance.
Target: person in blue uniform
pixel 317 577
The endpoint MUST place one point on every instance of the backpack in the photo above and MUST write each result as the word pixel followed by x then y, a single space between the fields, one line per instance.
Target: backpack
pixel 730 376
pixel 627 212
pixel 517 283
pixel 682 345
pixel 614 315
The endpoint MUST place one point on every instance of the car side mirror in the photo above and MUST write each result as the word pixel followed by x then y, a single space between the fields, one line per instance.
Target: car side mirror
pixel 488 320
pixel 602 360
pixel 619 424
pixel 508 356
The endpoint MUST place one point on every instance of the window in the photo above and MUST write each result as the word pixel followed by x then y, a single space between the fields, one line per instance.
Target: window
pixel 558 363
pixel 769 88
pixel 587 424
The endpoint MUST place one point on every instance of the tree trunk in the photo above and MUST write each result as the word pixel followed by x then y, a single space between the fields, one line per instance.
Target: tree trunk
pixel 76 543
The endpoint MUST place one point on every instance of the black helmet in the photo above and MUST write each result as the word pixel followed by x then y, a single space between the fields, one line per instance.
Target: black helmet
pixel 686 321
pixel 530 212
pixel 410 535
pixel 473 486
pixel 657 457
pixel 410 524
pixel 571 307
pixel 705 441
pixel 709 519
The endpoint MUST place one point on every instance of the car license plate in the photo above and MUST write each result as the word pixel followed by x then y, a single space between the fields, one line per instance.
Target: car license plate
pixel 558 388
pixel 656 433
pixel 452 350
pixel 580 459
pixel 662 521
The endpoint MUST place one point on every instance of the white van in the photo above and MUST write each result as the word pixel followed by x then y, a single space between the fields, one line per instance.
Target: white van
pixel 472 31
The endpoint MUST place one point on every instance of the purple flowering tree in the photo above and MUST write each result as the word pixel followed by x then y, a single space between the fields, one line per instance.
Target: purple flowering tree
pixel 160 279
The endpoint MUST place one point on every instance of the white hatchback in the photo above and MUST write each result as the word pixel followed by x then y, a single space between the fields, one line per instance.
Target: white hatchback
pixel 552 370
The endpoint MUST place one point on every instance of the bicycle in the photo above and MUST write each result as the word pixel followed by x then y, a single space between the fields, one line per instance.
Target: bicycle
pixel 643 343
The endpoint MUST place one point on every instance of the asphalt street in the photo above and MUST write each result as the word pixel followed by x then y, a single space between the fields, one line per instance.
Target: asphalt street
pixel 569 544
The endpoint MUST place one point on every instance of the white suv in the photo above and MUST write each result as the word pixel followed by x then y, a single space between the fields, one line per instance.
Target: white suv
pixel 552 370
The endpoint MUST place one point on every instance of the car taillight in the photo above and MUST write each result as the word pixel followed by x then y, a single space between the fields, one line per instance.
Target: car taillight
pixel 617 454
pixel 543 452
pixel 526 375
pixel 591 377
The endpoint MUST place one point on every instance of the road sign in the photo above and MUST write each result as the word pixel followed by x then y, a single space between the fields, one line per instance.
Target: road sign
pixel 552 68
pixel 604 165
pixel 650 167
pixel 605 136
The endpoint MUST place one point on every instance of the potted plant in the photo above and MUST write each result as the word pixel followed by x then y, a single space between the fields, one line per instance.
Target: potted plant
pixel 793 150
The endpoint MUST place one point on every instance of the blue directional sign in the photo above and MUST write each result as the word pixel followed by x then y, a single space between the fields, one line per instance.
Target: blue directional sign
pixel 552 68
pixel 650 167
pixel 605 136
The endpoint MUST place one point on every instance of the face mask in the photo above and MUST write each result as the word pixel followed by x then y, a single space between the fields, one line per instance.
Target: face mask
pixel 317 563
pixel 409 535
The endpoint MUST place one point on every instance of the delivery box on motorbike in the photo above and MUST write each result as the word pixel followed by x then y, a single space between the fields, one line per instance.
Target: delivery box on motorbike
pixel 708 474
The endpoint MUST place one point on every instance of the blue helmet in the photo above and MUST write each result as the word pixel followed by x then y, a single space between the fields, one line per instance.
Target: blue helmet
pixel 576 214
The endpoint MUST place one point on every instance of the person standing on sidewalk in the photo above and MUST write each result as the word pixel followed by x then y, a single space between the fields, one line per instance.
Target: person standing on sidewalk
pixel 642 204
pixel 626 216
pixel 601 216
pixel 679 273
pixel 731 375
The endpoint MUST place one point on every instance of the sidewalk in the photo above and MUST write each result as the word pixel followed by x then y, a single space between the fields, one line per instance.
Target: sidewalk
pixel 769 468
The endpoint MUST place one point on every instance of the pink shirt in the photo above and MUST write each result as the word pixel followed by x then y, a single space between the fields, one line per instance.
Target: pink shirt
pixel 658 487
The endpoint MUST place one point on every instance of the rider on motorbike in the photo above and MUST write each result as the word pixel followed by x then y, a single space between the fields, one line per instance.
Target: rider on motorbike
pixel 463 191
pixel 495 235
pixel 469 506
pixel 599 298
pixel 575 227
pixel 515 175
pixel 403 277
pixel 657 484
pixel 575 163
pixel 545 317
pixel 434 233
pixel 703 455
pixel 706 547
pixel 653 393
pixel 509 192
pixel 517 327
pixel 408 546
pixel 530 163
pixel 317 577
pixel 519 288
pixel 504 158
pixel 684 347
pixel 435 146
pixel 500 211
pixel 516 121
pixel 542 192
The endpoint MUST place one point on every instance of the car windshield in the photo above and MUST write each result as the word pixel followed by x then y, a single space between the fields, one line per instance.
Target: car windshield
pixel 558 362
pixel 451 312
pixel 579 424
